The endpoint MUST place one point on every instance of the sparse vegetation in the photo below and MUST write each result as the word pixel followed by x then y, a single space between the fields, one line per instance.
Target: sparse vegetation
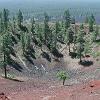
pixel 43 41
pixel 48 34
pixel 62 75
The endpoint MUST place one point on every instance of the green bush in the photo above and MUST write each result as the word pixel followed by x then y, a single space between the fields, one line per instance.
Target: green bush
pixel 62 75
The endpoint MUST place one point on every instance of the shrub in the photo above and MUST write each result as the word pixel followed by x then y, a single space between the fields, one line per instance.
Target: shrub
pixel 62 75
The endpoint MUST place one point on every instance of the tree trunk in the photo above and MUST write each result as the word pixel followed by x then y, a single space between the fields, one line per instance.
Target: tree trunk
pixel 80 57
pixel 5 69
pixel 56 41
pixel 69 48
pixel 64 82
pixel 45 39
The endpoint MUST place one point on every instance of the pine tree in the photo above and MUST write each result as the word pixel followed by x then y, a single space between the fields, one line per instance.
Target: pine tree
pixel 70 38
pixel 39 31
pixel 33 26
pixel 67 19
pixel 75 38
pixel 57 30
pixel 73 20
pixel 80 44
pixel 93 18
pixel 46 27
pixel 87 45
pixel 82 26
pixel 62 34
pixel 20 18
pixel 6 50
pixel 1 23
pixel 24 42
pixel 95 34
pixel 91 23
pixel 14 23
pixel 5 18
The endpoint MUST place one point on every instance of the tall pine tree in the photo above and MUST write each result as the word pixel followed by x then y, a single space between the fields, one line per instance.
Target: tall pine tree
pixel 67 19
pixel 20 18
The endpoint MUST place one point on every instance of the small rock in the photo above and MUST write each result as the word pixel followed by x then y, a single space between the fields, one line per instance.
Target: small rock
pixel 91 86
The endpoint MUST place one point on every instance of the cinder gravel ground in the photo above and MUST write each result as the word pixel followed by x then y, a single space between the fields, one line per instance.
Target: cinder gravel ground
pixel 39 90
pixel 84 82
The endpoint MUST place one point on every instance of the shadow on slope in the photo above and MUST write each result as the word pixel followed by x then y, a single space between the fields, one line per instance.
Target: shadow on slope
pixel 97 40
pixel 29 59
pixel 86 63
pixel 73 54
pixel 56 53
pixel 30 54
pixel 46 56
pixel 15 65
pixel 13 79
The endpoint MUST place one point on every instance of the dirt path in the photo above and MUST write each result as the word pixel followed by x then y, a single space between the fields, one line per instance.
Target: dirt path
pixel 36 90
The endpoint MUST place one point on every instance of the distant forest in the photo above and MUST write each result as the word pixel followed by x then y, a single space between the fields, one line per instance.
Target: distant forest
pixel 55 10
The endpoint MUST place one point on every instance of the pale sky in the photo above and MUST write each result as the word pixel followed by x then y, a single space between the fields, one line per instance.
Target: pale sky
pixel 49 0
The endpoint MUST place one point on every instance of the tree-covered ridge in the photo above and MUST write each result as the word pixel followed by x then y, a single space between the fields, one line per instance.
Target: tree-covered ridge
pixel 18 32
